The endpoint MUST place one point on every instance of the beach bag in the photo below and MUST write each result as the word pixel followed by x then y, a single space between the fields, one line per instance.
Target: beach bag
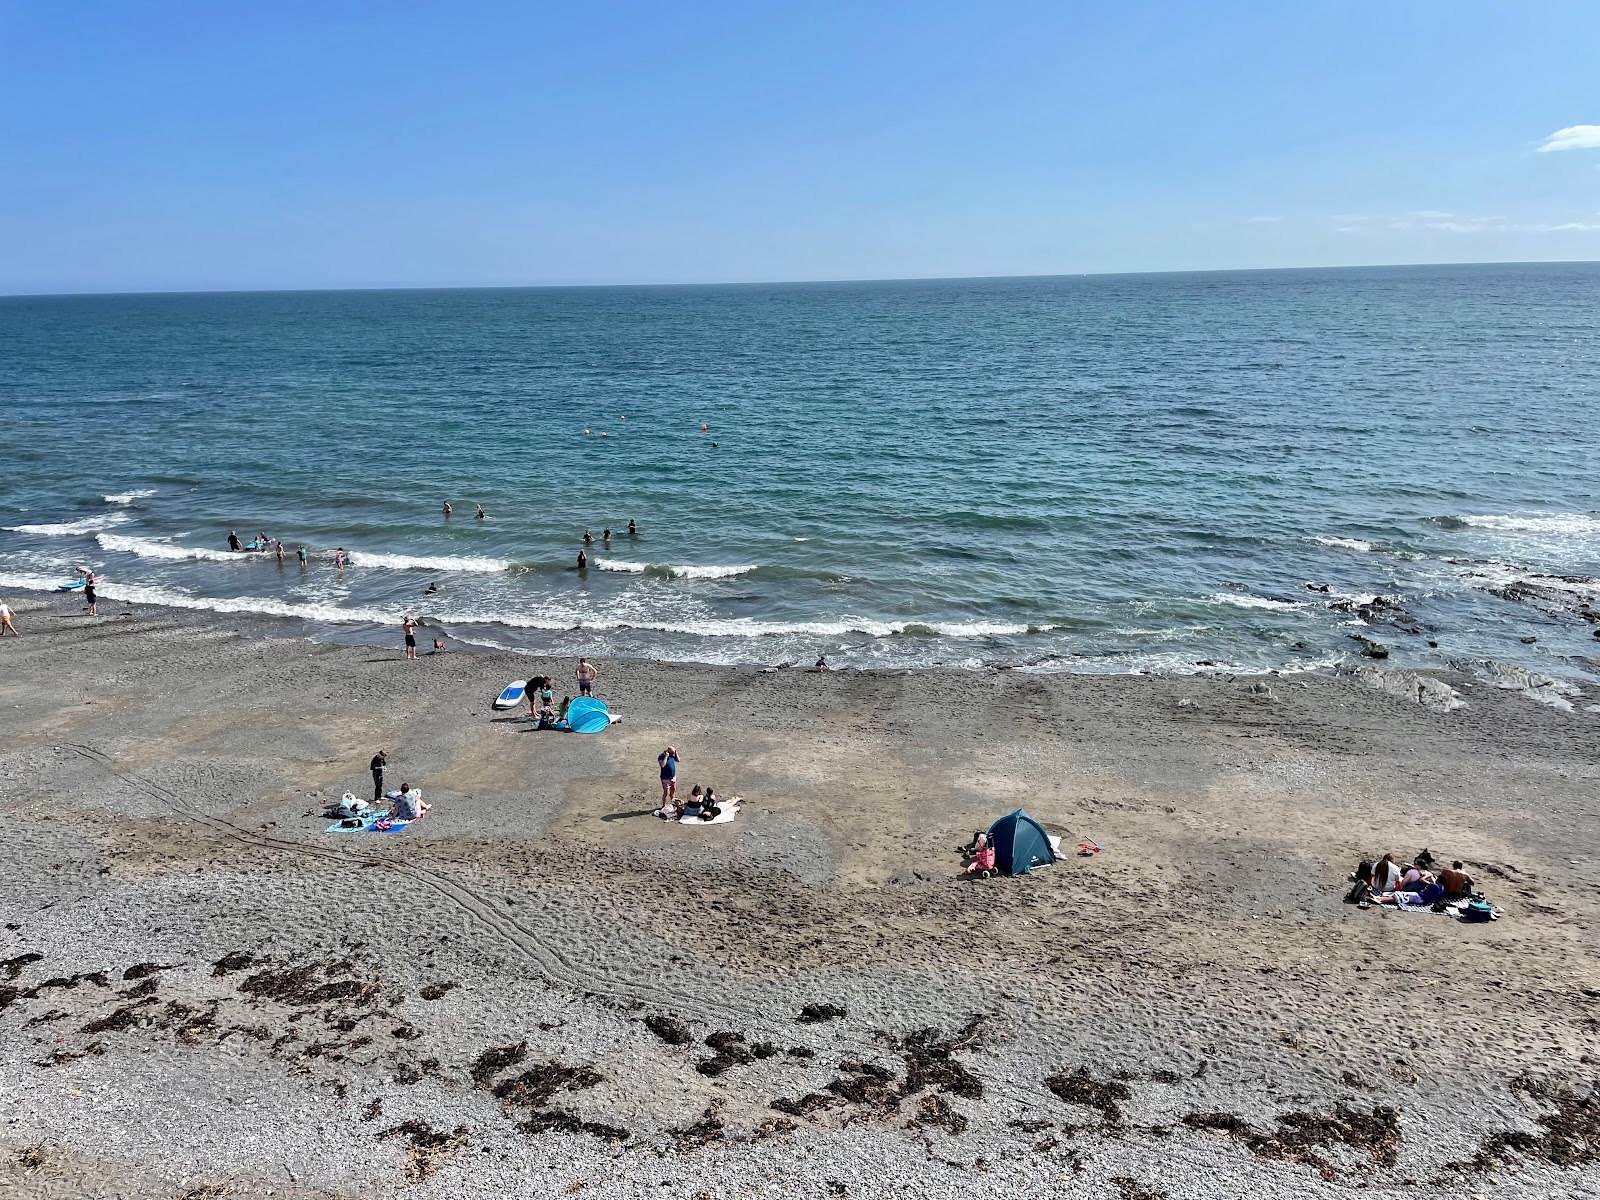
pixel 1361 891
pixel 1478 910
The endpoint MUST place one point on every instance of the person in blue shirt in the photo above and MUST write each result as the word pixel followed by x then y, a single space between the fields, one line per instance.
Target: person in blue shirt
pixel 668 759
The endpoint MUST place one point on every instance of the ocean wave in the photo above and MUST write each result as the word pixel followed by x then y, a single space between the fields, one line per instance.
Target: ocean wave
pixel 70 528
pixel 671 570
pixel 1344 543
pixel 427 562
pixel 1578 523
pixel 155 548
pixel 1242 600
pixel 550 621
pixel 129 497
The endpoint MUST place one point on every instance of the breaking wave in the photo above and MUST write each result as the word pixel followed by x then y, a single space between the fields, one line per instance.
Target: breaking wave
pixel 428 562
pixel 70 528
pixel 1344 543
pixel 670 570
pixel 154 548
pixel 1241 600
pixel 129 497
pixel 1578 523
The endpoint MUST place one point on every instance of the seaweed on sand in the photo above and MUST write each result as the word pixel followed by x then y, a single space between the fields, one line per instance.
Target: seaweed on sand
pixel 429 1148
pixel 1300 1137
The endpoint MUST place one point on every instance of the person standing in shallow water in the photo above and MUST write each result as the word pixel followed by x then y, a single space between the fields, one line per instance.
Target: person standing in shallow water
pixel 633 530
pixel 302 553
pixel 583 561
pixel 447 510
pixel 234 543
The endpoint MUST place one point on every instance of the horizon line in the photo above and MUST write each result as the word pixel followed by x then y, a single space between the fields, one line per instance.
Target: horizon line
pixel 520 287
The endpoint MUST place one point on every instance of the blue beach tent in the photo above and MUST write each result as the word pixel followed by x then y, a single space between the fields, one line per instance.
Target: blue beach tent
pixel 1020 843
pixel 587 715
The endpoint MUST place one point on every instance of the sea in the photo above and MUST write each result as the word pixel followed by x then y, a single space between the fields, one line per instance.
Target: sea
pixel 1171 473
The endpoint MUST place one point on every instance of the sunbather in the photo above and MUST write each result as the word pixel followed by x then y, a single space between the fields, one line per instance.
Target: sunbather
pixel 1386 874
pixel 409 805
pixel 1415 879
pixel 1457 884
pixel 710 810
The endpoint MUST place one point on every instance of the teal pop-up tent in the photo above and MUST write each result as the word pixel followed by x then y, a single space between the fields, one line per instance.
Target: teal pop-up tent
pixel 587 715
pixel 1020 843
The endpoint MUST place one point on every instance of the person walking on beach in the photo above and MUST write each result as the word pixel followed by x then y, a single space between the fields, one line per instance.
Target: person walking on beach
pixel 585 674
pixel 380 760
pixel 5 621
pixel 668 761
pixel 410 626
pixel 88 592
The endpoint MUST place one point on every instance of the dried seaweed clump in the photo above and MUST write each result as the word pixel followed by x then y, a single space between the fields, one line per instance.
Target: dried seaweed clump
pixel 1105 1096
pixel 1570 1123
pixel 1299 1137
pixel 429 1148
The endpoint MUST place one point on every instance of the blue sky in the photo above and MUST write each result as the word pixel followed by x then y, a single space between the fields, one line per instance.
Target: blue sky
pixel 164 145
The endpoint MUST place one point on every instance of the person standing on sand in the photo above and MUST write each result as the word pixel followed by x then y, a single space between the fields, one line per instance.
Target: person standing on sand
pixel 585 675
pixel 410 626
pixel 5 621
pixel 380 760
pixel 668 760
pixel 88 592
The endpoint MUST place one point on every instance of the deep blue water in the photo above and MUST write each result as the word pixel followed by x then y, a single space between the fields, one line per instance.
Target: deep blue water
pixel 1105 473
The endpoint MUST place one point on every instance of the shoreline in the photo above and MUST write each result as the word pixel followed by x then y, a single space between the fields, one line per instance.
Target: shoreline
pixel 1190 1011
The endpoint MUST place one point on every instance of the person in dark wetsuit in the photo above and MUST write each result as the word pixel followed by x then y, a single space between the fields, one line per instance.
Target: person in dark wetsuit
pixel 583 561
pixel 380 760
pixel 233 541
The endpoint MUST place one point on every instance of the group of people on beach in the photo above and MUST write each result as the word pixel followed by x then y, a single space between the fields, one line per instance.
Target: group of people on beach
pixel 1417 885
pixel 605 540
pixel 541 696
pixel 702 803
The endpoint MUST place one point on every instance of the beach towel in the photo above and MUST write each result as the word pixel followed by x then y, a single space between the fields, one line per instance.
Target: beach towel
pixel 358 824
pixel 730 810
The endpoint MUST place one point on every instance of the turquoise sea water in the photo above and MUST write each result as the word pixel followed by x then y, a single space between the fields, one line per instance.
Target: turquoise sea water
pixel 1106 473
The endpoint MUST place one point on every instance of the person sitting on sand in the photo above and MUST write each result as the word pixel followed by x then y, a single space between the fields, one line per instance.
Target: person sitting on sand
pixel 821 663
pixel 409 805
pixel 1415 879
pixel 1456 882
pixel 695 806
pixel 710 810
pixel 561 713
pixel 1386 874
pixel 983 860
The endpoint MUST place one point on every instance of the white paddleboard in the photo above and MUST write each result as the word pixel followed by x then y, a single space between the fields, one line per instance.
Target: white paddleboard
pixel 512 695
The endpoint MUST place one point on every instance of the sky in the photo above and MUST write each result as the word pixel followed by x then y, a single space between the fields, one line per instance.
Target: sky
pixel 163 145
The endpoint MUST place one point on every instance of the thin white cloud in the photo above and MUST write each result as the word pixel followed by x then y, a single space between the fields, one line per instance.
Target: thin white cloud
pixel 1573 137
pixel 1434 221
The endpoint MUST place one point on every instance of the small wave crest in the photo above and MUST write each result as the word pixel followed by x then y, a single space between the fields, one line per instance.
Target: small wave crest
pixel 1243 600
pixel 71 528
pixel 670 570
pixel 428 562
pixel 129 497
pixel 155 548
pixel 1359 545
pixel 1570 523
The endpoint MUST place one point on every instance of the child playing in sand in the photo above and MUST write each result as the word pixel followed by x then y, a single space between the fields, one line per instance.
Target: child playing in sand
pixel 983 860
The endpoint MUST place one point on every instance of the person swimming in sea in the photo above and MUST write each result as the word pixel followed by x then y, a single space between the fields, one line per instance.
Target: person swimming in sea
pixel 447 510
pixel 432 588
pixel 480 514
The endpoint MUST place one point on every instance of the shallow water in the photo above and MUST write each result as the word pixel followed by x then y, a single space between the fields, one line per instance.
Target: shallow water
pixel 1106 473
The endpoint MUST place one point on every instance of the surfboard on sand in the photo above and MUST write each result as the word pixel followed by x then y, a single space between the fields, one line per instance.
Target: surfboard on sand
pixel 512 695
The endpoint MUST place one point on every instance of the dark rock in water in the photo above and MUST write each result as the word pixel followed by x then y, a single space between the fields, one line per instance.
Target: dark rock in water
pixel 1528 641
pixel 1369 647
pixel 1317 587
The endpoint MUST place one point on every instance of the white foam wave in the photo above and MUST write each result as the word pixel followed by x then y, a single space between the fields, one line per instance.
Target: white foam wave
pixel 427 562
pixel 129 497
pixel 1344 543
pixel 156 548
pixel 70 528
pixel 673 570
pixel 1578 523
pixel 1241 600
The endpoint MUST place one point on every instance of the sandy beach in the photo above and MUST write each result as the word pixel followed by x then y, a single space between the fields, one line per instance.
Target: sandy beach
pixel 542 990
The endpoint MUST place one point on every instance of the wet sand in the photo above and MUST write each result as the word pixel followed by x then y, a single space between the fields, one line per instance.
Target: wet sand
pixel 542 990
